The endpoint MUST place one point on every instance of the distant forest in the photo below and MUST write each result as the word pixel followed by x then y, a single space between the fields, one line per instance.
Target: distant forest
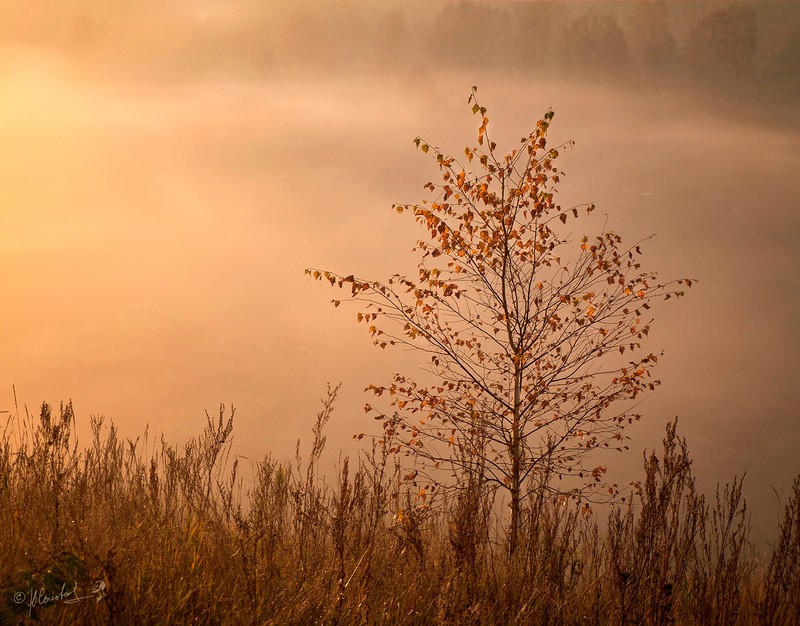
pixel 707 43
pixel 726 42
pixel 736 39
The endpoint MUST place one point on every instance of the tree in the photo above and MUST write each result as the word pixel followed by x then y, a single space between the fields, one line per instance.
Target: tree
pixel 467 34
pixel 651 41
pixel 594 42
pixel 530 31
pixel 533 339
pixel 724 41
pixel 785 66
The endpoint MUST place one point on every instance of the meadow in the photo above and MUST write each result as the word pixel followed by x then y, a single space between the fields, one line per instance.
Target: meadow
pixel 146 532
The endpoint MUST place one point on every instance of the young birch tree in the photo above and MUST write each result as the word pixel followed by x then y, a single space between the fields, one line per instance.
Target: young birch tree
pixel 533 338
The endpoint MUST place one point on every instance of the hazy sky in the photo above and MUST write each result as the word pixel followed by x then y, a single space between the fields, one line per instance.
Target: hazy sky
pixel 170 169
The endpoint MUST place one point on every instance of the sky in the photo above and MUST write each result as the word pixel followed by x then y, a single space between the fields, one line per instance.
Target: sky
pixel 169 170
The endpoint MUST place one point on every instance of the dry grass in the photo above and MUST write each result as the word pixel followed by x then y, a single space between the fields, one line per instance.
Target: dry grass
pixel 178 537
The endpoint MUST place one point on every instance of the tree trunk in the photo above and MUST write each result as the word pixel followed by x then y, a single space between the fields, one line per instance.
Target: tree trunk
pixel 516 464
pixel 515 510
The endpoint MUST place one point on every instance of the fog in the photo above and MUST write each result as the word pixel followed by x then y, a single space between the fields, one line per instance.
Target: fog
pixel 170 169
